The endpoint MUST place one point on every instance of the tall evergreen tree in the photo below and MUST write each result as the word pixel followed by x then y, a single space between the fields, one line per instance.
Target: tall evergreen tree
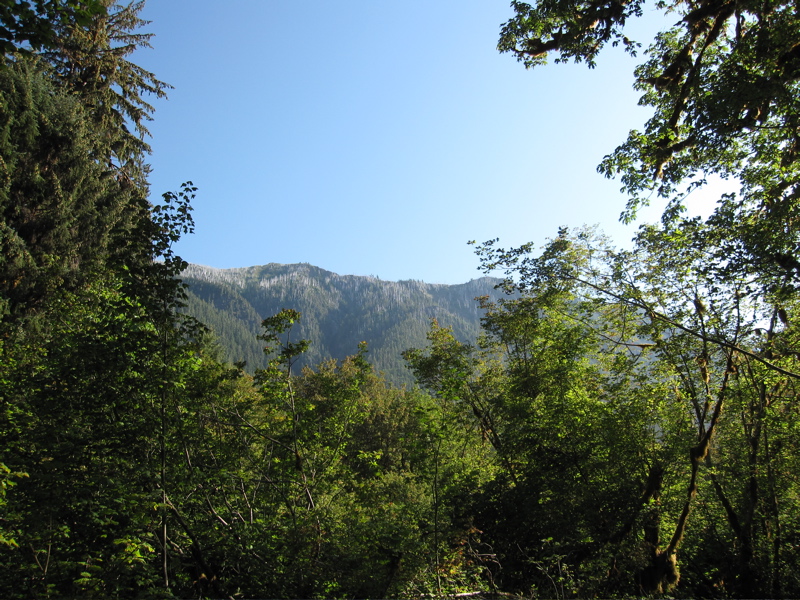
pixel 92 61
pixel 91 346
pixel 61 211
pixel 26 24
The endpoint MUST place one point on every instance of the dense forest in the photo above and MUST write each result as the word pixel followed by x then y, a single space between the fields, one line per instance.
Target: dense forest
pixel 339 312
pixel 624 424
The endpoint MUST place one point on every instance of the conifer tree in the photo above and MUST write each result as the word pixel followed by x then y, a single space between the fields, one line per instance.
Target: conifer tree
pixel 26 24
pixel 89 343
pixel 92 61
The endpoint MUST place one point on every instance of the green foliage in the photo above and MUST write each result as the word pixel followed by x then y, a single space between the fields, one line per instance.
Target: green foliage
pixel 61 213
pixel 572 445
pixel 708 303
pixel 91 344
pixel 625 425
pixel 684 379
pixel 723 86
pixel 35 24
pixel 91 60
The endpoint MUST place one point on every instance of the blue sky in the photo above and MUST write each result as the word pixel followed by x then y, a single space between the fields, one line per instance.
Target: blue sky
pixel 376 138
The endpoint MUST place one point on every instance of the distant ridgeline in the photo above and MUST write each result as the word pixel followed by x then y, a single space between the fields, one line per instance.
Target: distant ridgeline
pixel 338 311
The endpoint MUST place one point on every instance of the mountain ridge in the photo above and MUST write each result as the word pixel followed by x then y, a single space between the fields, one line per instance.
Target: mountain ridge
pixel 338 311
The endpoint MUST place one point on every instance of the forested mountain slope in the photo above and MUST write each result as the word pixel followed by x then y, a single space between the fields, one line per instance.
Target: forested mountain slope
pixel 338 311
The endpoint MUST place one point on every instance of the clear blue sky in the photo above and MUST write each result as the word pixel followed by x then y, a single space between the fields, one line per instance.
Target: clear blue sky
pixel 376 138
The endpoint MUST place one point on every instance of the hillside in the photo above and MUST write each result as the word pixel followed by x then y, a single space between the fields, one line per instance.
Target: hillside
pixel 339 311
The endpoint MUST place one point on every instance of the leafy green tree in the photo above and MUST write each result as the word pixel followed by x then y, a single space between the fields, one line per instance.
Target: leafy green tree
pixel 74 195
pixel 723 86
pixel 576 432
pixel 326 482
pixel 714 297
pixel 722 82
pixel 86 388
pixel 732 344
pixel 96 362
pixel 92 347
pixel 716 348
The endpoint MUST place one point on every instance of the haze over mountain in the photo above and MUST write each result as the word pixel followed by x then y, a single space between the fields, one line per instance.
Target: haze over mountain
pixel 338 311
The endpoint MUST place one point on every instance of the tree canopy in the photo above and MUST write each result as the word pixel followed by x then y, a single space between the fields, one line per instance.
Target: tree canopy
pixel 703 307
pixel 723 82
pixel 34 25
pixel 625 424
